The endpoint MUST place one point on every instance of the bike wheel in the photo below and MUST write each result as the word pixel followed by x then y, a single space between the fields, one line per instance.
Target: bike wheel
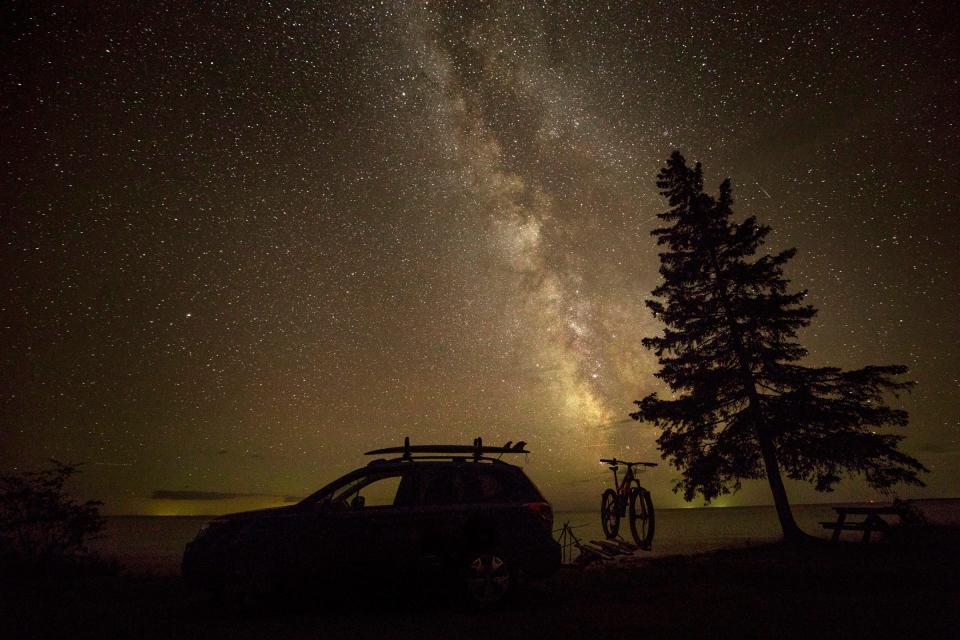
pixel 641 517
pixel 609 514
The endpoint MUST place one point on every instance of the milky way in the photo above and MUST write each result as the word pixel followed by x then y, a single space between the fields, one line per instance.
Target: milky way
pixel 242 247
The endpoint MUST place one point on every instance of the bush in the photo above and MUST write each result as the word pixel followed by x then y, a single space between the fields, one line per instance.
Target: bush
pixel 39 523
pixel 912 514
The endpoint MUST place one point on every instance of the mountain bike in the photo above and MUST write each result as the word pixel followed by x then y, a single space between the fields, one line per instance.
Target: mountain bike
pixel 628 498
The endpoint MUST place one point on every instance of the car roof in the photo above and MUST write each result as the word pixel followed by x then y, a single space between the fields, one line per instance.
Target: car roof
pixel 466 463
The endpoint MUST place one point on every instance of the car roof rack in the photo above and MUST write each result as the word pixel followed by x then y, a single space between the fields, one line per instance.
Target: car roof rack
pixel 444 451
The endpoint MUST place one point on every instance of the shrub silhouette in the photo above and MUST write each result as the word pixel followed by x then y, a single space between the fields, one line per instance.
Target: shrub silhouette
pixel 40 523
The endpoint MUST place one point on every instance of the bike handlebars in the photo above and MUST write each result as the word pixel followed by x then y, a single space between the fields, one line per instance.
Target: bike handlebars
pixel 614 462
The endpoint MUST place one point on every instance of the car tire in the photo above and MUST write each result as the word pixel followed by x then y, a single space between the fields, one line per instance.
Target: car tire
pixel 489 579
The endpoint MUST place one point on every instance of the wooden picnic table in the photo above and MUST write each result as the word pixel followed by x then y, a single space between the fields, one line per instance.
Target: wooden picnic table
pixel 872 522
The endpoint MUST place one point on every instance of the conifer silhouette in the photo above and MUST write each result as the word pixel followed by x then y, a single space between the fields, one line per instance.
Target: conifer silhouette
pixel 743 408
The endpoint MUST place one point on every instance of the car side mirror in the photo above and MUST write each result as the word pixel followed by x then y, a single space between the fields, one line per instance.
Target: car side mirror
pixel 357 502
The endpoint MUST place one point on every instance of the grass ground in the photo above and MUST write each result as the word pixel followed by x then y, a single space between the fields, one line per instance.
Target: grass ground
pixel 906 589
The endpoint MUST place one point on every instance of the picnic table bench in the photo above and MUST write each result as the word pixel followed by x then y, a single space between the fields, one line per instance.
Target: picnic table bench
pixel 873 520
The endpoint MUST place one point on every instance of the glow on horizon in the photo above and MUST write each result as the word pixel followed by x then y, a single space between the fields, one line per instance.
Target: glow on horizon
pixel 197 507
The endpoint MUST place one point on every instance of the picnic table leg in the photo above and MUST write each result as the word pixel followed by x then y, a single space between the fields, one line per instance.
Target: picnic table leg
pixel 872 522
pixel 836 532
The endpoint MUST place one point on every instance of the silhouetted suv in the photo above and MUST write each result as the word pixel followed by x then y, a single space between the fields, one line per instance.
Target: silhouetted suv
pixel 436 511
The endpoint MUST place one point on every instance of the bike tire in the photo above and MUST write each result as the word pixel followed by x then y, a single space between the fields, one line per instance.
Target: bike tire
pixel 642 517
pixel 609 514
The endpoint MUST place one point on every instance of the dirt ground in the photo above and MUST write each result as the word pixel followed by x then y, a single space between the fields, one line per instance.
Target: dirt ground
pixel 907 589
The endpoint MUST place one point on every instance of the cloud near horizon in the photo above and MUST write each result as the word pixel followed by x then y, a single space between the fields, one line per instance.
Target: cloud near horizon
pixel 167 494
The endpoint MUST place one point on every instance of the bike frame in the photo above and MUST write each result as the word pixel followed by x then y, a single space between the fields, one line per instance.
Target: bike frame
pixel 623 488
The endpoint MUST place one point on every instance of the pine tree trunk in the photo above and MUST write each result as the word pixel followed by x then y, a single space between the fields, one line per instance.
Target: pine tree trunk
pixel 791 532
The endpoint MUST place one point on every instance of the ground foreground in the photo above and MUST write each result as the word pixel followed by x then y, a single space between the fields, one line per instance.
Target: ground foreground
pixel 906 589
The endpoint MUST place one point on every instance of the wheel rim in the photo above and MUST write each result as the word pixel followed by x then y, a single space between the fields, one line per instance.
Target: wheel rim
pixel 488 579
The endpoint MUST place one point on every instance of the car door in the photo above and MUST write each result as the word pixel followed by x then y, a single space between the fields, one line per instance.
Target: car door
pixel 439 519
pixel 315 540
pixel 367 525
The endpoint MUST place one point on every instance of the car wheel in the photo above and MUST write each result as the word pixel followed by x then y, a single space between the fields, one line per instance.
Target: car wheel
pixel 609 515
pixel 489 579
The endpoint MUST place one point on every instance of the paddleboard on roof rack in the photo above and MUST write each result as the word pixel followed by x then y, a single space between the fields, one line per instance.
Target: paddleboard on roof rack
pixel 477 448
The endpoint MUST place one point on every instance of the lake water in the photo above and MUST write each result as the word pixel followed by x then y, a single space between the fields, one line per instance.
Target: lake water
pixel 685 531
pixel 155 543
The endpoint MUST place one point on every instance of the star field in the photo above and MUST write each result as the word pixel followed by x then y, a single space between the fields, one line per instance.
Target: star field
pixel 241 246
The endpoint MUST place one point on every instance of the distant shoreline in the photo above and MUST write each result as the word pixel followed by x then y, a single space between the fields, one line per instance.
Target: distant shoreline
pixel 583 509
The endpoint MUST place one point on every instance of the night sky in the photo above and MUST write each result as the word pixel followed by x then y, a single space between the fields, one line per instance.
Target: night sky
pixel 242 246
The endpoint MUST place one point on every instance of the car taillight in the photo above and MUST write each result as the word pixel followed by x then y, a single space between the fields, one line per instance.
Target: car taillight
pixel 543 510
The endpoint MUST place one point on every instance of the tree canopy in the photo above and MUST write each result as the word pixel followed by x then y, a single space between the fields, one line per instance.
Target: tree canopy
pixel 743 405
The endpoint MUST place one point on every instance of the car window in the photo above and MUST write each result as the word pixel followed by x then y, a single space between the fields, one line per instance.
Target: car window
pixel 442 486
pixel 381 492
pixel 486 485
pixel 489 488
pixel 377 490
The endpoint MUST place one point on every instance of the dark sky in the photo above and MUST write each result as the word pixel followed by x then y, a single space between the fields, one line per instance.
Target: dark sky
pixel 242 246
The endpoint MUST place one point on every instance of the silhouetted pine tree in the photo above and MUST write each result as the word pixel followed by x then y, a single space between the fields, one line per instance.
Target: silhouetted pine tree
pixel 742 407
